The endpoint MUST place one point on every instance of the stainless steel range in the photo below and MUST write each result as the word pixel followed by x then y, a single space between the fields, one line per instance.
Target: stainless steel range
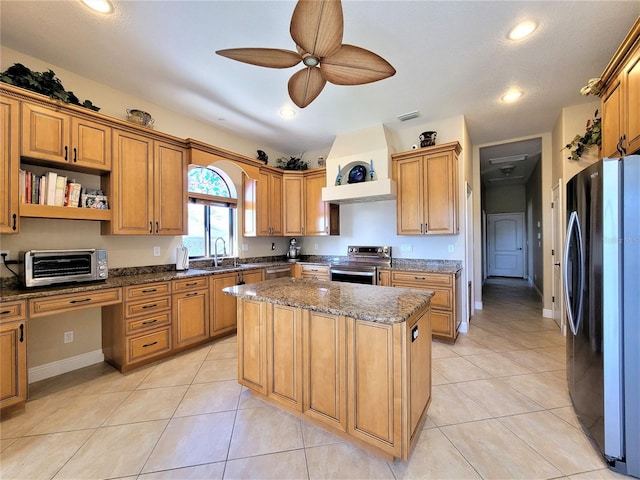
pixel 362 265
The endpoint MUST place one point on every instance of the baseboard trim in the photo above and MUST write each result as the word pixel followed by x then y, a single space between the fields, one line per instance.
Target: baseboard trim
pixel 547 313
pixel 464 327
pixel 65 365
pixel 478 305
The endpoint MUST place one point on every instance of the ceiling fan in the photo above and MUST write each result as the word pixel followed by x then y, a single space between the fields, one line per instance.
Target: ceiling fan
pixel 316 28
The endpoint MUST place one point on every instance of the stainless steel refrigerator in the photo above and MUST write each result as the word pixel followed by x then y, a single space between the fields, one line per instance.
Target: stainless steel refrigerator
pixel 602 296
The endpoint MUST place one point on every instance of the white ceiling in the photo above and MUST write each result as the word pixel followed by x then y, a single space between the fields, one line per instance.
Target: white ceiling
pixel 452 58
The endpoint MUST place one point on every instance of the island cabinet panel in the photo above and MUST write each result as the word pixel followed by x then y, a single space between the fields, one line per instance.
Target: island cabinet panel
pixel 284 350
pixel 324 357
pixel 419 351
pixel 252 345
pixel 375 383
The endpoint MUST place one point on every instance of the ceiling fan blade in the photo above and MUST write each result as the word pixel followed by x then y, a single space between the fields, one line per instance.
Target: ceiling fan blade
pixel 317 26
pixel 305 86
pixel 355 66
pixel 263 57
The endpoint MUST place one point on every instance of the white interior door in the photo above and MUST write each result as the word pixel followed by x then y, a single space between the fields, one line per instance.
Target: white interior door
pixel 556 255
pixel 505 243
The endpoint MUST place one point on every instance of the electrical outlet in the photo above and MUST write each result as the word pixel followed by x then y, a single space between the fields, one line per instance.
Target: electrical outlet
pixel 5 254
pixel 245 247
pixel 156 251
pixel 315 246
pixel 68 336
pixel 451 248
pixel 407 247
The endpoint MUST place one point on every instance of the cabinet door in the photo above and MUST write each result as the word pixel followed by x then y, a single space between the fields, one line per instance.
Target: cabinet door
pixel 275 204
pixel 384 278
pixel 252 345
pixel 263 226
pixel 324 359
pixel 90 144
pixel 131 194
pixel 293 204
pixel 611 120
pixel 190 317
pixel 9 165
pixel 409 176
pixel 284 357
pixel 170 190
pixel 45 133
pixel 253 276
pixel 375 383
pixel 13 361
pixel 316 211
pixel 441 201
pixel 223 314
pixel 632 105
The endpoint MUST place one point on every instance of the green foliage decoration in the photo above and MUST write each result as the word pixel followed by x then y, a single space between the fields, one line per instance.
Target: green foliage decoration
pixel 592 136
pixel 45 83
pixel 293 163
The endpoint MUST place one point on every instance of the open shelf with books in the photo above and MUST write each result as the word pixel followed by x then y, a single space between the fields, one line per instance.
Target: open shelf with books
pixel 52 211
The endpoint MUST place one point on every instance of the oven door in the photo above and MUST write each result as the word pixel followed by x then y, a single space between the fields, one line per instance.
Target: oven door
pixel 366 275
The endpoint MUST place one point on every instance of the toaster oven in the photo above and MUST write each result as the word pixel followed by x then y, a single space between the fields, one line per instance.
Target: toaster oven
pixel 50 267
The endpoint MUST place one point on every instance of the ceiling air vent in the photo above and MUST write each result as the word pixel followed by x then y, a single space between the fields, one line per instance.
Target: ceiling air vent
pixel 408 116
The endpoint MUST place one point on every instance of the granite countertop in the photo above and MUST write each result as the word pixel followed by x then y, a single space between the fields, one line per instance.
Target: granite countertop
pixel 363 302
pixel 128 277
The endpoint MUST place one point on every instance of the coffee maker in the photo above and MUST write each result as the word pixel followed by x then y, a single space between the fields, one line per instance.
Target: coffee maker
pixel 293 254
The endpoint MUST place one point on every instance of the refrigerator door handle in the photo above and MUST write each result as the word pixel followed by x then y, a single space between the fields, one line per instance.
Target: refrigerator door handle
pixel 574 317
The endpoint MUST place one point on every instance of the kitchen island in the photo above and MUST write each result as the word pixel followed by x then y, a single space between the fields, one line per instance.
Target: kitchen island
pixel 352 359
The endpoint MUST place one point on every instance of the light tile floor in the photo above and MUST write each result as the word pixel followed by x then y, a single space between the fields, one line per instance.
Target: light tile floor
pixel 500 409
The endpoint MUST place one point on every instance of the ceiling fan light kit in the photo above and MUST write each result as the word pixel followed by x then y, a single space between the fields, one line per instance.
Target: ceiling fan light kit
pixel 316 28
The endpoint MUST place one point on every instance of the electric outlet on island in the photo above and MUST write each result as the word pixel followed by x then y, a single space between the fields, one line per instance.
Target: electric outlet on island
pixel 68 336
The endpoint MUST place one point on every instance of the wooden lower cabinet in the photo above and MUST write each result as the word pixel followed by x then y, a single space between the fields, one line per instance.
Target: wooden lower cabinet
pixel 446 309
pixel 223 310
pixel 190 320
pixel 367 382
pixel 138 330
pixel 312 271
pixel 324 362
pixel 13 354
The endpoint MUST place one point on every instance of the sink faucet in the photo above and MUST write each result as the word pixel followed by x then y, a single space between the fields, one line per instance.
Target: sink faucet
pixel 215 250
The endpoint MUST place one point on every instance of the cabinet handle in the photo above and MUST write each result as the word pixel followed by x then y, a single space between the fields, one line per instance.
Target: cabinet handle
pixel 149 306
pixel 419 278
pixel 194 294
pixel 302 230
pixel 622 144
pixel 157 226
pixel 149 344
pixel 21 332
pixel 15 222
pixel 80 301
pixel 75 154
pixel 149 323
pixel 66 153
pixel 191 284
pixel 150 227
pixel 5 312
pixel 149 290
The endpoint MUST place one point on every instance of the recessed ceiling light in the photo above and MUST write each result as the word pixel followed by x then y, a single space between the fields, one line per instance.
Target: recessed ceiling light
pixel 522 30
pixel 287 112
pixel 100 6
pixel 511 96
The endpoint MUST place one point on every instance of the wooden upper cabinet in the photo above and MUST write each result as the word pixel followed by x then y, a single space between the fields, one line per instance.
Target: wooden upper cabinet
pixel 293 204
pixel 148 187
pixel 263 205
pixel 621 98
pixel 57 137
pixel 9 165
pixel 427 180
pixel 321 218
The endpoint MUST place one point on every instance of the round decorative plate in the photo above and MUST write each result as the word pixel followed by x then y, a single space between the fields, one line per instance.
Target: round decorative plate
pixel 357 174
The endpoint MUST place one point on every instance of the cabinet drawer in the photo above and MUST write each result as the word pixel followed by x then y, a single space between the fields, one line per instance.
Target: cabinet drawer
pixel 12 311
pixel 442 298
pixel 148 307
pixel 143 291
pixel 136 325
pixel 191 284
pixel 442 324
pixel 431 279
pixel 39 307
pixel 314 269
pixel 148 345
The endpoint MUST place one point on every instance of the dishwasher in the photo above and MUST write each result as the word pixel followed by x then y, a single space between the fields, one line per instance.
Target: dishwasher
pixel 277 271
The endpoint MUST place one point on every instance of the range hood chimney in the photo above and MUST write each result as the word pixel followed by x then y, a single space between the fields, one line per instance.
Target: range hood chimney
pixel 371 146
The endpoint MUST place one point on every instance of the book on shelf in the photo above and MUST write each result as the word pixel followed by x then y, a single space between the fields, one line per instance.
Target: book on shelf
pixel 61 187
pixel 22 185
pixel 51 178
pixel 72 197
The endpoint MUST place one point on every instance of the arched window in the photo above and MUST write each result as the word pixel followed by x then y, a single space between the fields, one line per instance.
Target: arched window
pixel 211 209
